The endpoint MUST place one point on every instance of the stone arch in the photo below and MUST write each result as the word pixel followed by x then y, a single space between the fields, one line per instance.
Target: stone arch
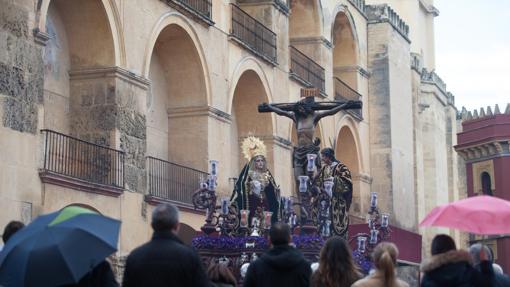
pixel 179 109
pixel 306 19
pixel 80 39
pixel 93 27
pixel 345 42
pixel 249 91
pixel 347 150
pixel 177 19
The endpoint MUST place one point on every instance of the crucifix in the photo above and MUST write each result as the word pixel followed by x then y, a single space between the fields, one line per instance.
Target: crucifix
pixel 306 114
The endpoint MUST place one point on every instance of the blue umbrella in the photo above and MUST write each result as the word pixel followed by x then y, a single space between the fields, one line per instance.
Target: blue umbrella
pixel 58 248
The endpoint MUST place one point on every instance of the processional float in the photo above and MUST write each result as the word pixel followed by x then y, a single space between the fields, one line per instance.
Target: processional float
pixel 230 238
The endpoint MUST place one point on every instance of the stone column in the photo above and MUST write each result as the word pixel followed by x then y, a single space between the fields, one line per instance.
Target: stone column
pixel 390 113
pixel 108 108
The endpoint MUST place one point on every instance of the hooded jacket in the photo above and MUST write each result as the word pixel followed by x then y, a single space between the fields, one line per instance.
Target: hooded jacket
pixel 450 269
pixel 281 266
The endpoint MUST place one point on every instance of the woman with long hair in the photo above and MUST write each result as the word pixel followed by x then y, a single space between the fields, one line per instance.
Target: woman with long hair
pixel 221 276
pixel 336 265
pixel 385 259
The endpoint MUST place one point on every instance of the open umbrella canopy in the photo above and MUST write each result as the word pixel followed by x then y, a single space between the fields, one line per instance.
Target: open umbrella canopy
pixel 479 214
pixel 58 248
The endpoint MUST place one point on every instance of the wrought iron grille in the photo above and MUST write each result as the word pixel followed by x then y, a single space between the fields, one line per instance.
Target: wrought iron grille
pixel 202 7
pixel 69 156
pixel 173 182
pixel 345 93
pixel 253 34
pixel 306 69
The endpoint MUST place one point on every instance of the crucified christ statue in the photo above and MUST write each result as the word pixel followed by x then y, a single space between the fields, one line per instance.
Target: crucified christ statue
pixel 305 114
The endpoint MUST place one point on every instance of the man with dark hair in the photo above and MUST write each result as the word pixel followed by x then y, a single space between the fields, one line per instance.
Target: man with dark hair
pixel 165 260
pixel 483 259
pixel 282 265
pixel 341 197
pixel 11 228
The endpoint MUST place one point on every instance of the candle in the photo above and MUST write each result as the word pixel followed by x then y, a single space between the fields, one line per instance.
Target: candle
pixel 373 200
pixel 213 167
pixel 303 183
pixel 385 220
pixel 211 182
pixel 256 187
pixel 267 219
pixel 362 241
pixel 373 236
pixel 311 162
pixel 370 223
pixel 328 186
pixel 224 205
pixel 244 217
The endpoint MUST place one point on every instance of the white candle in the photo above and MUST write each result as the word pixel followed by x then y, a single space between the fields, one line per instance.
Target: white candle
pixel 303 183
pixel 373 199
pixel 328 186
pixel 311 162
pixel 213 167
pixel 362 241
pixel 373 236
pixel 224 205
pixel 385 220
pixel 211 182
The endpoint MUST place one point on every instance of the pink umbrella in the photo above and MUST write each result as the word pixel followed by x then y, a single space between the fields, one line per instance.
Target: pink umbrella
pixel 479 214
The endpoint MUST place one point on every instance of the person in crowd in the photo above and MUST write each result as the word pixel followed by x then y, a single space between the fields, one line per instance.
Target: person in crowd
pixel 282 265
pixel 385 260
pixel 336 265
pixel 221 276
pixel 448 266
pixel 100 276
pixel 11 228
pixel 482 260
pixel 164 260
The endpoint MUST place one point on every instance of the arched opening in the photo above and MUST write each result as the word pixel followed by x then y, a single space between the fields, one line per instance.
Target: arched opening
pixel 80 38
pixel 246 120
pixel 345 56
pixel 177 113
pixel 486 183
pixel 347 152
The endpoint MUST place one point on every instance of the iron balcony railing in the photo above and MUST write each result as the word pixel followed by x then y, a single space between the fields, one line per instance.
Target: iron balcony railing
pixel 345 93
pixel 72 157
pixel 306 69
pixel 173 182
pixel 202 8
pixel 253 34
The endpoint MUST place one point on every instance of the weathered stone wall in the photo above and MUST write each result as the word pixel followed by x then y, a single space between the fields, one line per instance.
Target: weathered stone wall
pixel 21 68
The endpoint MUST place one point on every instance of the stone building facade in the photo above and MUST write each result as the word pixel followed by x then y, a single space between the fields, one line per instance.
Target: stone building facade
pixel 168 85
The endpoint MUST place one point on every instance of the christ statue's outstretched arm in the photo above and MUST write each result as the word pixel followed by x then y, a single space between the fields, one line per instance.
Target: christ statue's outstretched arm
pixel 343 106
pixel 279 111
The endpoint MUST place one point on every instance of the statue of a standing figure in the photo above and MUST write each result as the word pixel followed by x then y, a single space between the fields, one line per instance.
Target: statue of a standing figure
pixel 341 197
pixel 255 189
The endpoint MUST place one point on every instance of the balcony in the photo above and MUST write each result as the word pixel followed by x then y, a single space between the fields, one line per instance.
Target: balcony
pixel 306 70
pixel 77 164
pixel 345 93
pixel 253 35
pixel 170 182
pixel 198 9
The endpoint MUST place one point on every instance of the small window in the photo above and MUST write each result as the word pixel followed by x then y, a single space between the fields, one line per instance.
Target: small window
pixel 486 184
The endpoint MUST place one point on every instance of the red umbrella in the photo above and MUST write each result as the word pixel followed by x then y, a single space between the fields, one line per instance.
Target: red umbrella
pixel 480 214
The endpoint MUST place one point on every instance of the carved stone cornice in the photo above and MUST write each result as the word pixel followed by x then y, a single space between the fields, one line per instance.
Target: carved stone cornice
pixel 49 177
pixel 110 72
pixel 186 112
pixel 277 140
pixel 382 13
pixel 484 151
pixel 311 40
pixel 355 68
pixel 429 8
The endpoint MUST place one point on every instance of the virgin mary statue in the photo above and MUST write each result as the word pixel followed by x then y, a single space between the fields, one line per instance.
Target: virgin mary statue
pixel 255 189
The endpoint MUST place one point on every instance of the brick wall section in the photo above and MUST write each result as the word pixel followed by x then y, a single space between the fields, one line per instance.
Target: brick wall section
pixel 21 69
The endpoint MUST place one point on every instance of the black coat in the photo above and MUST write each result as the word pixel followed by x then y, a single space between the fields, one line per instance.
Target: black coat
pixel 164 261
pixel 100 276
pixel 491 278
pixel 280 266
pixel 450 269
